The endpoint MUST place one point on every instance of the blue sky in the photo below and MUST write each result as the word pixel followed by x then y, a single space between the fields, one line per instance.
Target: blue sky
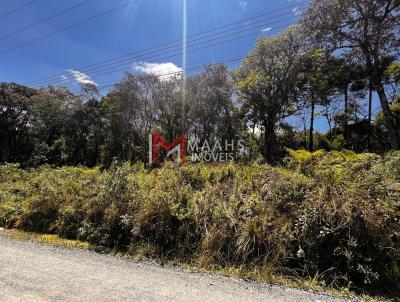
pixel 135 27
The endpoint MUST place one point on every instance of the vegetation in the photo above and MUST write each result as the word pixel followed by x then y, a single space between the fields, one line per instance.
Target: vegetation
pixel 329 65
pixel 72 163
pixel 328 214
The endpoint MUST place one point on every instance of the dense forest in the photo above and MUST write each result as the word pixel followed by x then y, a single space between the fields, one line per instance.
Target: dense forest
pixel 328 67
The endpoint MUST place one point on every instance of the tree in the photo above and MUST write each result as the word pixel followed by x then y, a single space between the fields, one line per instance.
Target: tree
pixel 266 83
pixel 169 108
pixel 127 112
pixel 392 79
pixel 212 113
pixel 15 104
pixel 315 83
pixel 348 78
pixel 56 127
pixel 331 110
pixel 89 91
pixel 364 29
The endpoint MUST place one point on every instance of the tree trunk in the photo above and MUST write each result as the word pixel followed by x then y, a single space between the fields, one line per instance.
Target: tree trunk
pixel 328 120
pixel 370 102
pixel 346 113
pixel 388 116
pixel 231 134
pixel 370 88
pixel 270 142
pixel 390 123
pixel 311 140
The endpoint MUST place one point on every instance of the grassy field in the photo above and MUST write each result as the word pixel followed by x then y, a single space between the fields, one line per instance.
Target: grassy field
pixel 329 218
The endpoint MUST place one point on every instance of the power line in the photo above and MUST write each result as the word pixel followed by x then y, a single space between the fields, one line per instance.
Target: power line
pixel 201 66
pixel 227 61
pixel 191 50
pixel 170 51
pixel 173 52
pixel 230 60
pixel 210 38
pixel 17 8
pixel 68 27
pixel 43 20
pixel 128 55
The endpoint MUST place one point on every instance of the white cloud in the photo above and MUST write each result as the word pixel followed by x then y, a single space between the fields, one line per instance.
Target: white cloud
pixel 164 70
pixel 266 29
pixel 243 4
pixel 296 11
pixel 81 78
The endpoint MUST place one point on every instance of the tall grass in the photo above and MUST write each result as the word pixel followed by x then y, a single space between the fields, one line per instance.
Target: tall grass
pixel 333 215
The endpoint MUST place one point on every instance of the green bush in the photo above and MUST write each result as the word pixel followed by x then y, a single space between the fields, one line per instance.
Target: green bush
pixel 329 214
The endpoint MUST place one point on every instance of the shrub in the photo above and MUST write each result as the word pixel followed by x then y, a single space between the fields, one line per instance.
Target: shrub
pixel 331 214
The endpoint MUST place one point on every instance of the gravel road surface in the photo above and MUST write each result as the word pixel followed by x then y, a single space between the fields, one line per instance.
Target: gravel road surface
pixel 33 272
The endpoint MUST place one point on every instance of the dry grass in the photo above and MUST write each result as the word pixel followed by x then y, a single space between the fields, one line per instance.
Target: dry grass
pixel 329 219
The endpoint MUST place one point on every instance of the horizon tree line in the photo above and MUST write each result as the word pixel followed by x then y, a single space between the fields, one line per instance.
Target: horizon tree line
pixel 328 66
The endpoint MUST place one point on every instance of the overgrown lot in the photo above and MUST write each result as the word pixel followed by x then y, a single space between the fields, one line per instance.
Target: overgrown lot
pixel 330 216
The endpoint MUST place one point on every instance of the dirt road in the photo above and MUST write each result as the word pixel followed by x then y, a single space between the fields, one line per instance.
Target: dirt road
pixel 35 272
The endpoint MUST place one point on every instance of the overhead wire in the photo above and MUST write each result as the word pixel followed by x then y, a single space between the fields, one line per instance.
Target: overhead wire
pixel 24 28
pixel 68 27
pixel 14 10
pixel 154 49
pixel 171 53
pixel 196 49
